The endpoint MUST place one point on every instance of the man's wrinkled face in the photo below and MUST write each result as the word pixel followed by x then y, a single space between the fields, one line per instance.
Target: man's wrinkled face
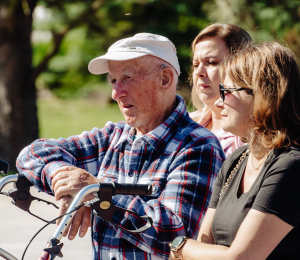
pixel 135 86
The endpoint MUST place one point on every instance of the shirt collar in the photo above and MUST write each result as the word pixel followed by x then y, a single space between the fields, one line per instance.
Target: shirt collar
pixel 126 136
pixel 161 135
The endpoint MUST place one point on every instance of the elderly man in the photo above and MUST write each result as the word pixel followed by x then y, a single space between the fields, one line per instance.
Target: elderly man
pixel 158 144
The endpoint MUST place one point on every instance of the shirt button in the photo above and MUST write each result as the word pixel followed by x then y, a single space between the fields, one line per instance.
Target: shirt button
pixel 130 174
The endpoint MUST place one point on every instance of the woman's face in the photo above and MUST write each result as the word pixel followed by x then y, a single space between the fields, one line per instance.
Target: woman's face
pixel 208 54
pixel 236 110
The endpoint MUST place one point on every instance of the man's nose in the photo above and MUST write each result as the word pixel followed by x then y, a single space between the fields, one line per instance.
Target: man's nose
pixel 118 91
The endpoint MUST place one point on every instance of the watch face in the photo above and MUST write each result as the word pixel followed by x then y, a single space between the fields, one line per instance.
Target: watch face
pixel 177 241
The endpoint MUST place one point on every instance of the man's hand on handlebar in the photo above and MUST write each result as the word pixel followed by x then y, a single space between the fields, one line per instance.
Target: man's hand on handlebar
pixel 81 220
pixel 66 183
pixel 69 180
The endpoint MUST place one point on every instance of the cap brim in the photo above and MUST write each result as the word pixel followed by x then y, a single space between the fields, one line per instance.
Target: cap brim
pixel 99 65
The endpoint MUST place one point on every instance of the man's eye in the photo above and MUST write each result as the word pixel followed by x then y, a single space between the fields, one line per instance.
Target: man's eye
pixel 127 77
pixel 113 81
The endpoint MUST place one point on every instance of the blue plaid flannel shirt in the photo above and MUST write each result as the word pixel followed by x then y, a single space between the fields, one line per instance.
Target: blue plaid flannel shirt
pixel 179 158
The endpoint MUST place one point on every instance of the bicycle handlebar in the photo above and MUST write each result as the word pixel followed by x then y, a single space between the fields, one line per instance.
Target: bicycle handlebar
pixel 132 189
pixel 102 207
pixel 8 179
pixel 4 167
pixel 7 255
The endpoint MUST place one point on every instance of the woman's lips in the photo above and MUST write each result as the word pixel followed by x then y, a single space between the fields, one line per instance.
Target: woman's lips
pixel 203 86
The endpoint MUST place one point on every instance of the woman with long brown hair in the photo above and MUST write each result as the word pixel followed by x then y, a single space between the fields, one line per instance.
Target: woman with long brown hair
pixel 210 47
pixel 254 212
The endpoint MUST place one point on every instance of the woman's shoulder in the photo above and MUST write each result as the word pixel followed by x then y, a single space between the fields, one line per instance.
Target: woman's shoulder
pixel 196 115
pixel 202 117
pixel 286 156
pixel 290 150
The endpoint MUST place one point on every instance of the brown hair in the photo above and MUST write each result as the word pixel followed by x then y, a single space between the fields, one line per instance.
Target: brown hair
pixel 233 36
pixel 271 71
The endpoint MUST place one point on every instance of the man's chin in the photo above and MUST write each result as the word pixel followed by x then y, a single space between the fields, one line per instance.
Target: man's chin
pixel 132 121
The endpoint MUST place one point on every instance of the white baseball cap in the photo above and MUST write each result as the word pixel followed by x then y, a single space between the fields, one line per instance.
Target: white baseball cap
pixel 139 45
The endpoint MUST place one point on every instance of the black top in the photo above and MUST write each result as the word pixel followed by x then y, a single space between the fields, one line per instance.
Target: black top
pixel 276 190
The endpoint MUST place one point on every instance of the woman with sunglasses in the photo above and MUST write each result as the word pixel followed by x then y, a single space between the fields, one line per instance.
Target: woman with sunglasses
pixel 254 212
pixel 210 47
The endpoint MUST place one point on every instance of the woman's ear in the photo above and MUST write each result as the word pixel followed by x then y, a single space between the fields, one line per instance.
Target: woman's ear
pixel 167 77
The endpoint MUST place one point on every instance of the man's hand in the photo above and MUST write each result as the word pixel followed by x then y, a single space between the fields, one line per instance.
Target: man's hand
pixel 66 183
pixel 69 180
pixel 81 219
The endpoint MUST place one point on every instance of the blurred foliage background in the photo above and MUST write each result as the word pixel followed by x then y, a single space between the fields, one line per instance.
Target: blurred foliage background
pixel 90 27
pixel 67 34
pixel 82 30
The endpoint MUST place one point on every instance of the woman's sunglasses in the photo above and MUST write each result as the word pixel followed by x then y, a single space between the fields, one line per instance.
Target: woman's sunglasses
pixel 230 90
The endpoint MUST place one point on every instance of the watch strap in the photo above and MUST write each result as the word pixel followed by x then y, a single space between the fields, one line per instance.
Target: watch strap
pixel 175 249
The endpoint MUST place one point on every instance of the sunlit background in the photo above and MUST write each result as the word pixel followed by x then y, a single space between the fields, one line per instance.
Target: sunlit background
pixel 65 35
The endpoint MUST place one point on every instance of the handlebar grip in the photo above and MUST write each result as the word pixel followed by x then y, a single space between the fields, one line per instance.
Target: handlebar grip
pixel 4 167
pixel 132 189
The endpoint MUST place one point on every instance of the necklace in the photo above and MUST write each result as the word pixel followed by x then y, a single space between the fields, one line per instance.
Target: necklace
pixel 233 172
pixel 263 160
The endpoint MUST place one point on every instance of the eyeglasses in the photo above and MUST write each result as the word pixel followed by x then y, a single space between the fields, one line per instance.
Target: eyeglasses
pixel 230 90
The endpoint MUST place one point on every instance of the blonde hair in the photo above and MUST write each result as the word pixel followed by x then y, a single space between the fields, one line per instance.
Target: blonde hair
pixel 270 70
pixel 233 36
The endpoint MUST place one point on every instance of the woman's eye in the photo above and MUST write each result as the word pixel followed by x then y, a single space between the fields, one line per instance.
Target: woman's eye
pixel 127 77
pixel 113 81
pixel 213 63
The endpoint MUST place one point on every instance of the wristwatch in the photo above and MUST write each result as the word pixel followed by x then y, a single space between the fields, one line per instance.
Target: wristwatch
pixel 176 244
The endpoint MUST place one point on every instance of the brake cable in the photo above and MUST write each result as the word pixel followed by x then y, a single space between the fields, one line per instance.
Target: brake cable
pixel 48 223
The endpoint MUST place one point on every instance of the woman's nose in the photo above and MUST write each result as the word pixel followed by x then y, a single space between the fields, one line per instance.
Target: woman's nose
pixel 201 70
pixel 219 103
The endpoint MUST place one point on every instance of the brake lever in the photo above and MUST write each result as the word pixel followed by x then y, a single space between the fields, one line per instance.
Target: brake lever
pixel 103 207
pixel 22 198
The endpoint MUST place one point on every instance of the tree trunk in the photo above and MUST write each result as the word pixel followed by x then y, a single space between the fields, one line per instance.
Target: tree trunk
pixel 18 111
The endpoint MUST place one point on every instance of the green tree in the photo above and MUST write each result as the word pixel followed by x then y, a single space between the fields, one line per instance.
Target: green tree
pixel 263 19
pixel 18 112
pixel 67 72
pixel 18 121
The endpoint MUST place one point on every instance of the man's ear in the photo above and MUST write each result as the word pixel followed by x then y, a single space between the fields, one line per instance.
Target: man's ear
pixel 167 77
